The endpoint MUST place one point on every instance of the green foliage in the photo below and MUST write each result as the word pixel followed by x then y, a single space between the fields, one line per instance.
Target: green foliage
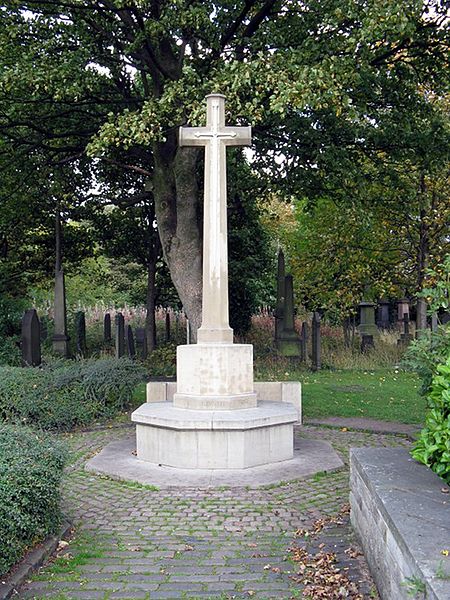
pixel 433 445
pixel 425 353
pixel 438 295
pixel 162 361
pixel 65 394
pixel 31 467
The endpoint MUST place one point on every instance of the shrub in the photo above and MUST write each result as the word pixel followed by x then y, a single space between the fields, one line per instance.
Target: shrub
pixel 424 354
pixel 65 394
pixel 433 446
pixel 31 467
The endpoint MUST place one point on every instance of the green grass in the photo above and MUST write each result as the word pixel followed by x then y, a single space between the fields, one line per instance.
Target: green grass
pixel 384 394
pixel 388 395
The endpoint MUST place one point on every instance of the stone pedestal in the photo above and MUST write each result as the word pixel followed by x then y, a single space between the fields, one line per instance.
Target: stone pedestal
pixel 206 439
pixel 215 377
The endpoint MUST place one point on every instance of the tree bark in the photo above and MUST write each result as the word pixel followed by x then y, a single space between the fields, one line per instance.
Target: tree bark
pixel 178 215
pixel 150 323
pixel 422 261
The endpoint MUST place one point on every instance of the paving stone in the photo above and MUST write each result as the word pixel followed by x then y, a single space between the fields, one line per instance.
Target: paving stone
pixel 194 542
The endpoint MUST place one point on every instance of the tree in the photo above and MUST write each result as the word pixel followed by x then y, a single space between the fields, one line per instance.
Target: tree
pixel 85 78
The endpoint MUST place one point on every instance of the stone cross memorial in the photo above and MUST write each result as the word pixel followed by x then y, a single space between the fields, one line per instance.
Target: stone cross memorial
pixel 215 420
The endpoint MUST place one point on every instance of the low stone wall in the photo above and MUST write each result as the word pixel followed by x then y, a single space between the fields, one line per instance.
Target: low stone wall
pixel 267 391
pixel 402 518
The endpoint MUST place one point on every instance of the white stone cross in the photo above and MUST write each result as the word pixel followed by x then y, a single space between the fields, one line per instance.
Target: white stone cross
pixel 215 137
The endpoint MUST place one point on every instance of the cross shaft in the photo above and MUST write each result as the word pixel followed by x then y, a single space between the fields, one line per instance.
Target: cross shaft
pixel 215 137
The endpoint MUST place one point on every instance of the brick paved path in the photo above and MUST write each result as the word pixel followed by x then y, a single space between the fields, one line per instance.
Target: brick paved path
pixel 132 541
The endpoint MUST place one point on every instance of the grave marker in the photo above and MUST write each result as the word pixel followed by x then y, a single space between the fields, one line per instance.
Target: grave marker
pixel 120 335
pixel 141 343
pixel 31 339
pixel 107 337
pixel 131 349
pixel 316 345
pixel 289 343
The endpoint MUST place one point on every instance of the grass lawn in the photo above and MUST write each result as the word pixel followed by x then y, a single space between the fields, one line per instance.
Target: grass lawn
pixel 385 394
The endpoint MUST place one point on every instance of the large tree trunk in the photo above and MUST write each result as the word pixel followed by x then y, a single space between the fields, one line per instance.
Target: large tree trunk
pixel 150 323
pixel 179 222
pixel 422 261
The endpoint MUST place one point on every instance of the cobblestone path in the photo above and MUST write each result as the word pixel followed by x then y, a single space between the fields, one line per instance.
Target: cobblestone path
pixel 132 541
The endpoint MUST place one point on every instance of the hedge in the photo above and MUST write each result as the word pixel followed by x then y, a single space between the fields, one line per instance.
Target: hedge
pixel 68 393
pixel 31 466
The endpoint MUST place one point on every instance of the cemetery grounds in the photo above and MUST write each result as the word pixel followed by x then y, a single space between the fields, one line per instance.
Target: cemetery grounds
pixel 279 541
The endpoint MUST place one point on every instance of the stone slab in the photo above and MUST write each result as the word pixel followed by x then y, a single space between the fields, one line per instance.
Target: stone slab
pixel 267 391
pixel 165 414
pixel 403 520
pixel 200 439
pixel 117 461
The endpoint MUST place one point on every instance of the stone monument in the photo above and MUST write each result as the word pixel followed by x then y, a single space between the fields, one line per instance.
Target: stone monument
pixel 288 338
pixel 281 274
pixel 31 339
pixel 215 420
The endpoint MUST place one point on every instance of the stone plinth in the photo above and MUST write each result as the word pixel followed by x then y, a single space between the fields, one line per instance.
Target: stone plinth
pixel 267 391
pixel 207 439
pixel 402 519
pixel 215 377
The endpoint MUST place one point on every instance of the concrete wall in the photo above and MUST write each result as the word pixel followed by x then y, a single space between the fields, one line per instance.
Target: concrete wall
pixel 402 519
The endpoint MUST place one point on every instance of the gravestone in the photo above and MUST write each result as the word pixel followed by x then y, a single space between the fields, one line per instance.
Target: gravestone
pixel 402 309
pixel 205 427
pixel 383 321
pixel 366 343
pixel 280 296
pixel 288 340
pixel 405 337
pixel 367 324
pixel 131 349
pixel 31 339
pixel 316 355
pixel 304 342
pixel 167 327
pixel 107 337
pixel 120 335
pixel 60 339
pixel 141 343
pixel 80 328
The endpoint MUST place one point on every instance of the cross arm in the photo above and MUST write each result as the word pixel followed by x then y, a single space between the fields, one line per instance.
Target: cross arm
pixel 194 136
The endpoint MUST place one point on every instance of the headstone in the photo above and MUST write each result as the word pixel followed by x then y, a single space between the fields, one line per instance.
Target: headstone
pixel 31 339
pixel 405 337
pixel 131 349
pixel 120 335
pixel 366 343
pixel 315 341
pixel 280 296
pixel 141 343
pixel 402 309
pixel 107 338
pixel 288 341
pixel 80 328
pixel 167 327
pixel 304 342
pixel 383 321
pixel 60 340
pixel 367 324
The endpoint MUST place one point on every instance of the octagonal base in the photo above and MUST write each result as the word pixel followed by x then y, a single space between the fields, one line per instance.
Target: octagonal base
pixel 234 439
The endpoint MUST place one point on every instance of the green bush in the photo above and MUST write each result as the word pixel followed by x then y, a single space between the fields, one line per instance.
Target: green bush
pixel 424 354
pixel 31 466
pixel 65 394
pixel 433 445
